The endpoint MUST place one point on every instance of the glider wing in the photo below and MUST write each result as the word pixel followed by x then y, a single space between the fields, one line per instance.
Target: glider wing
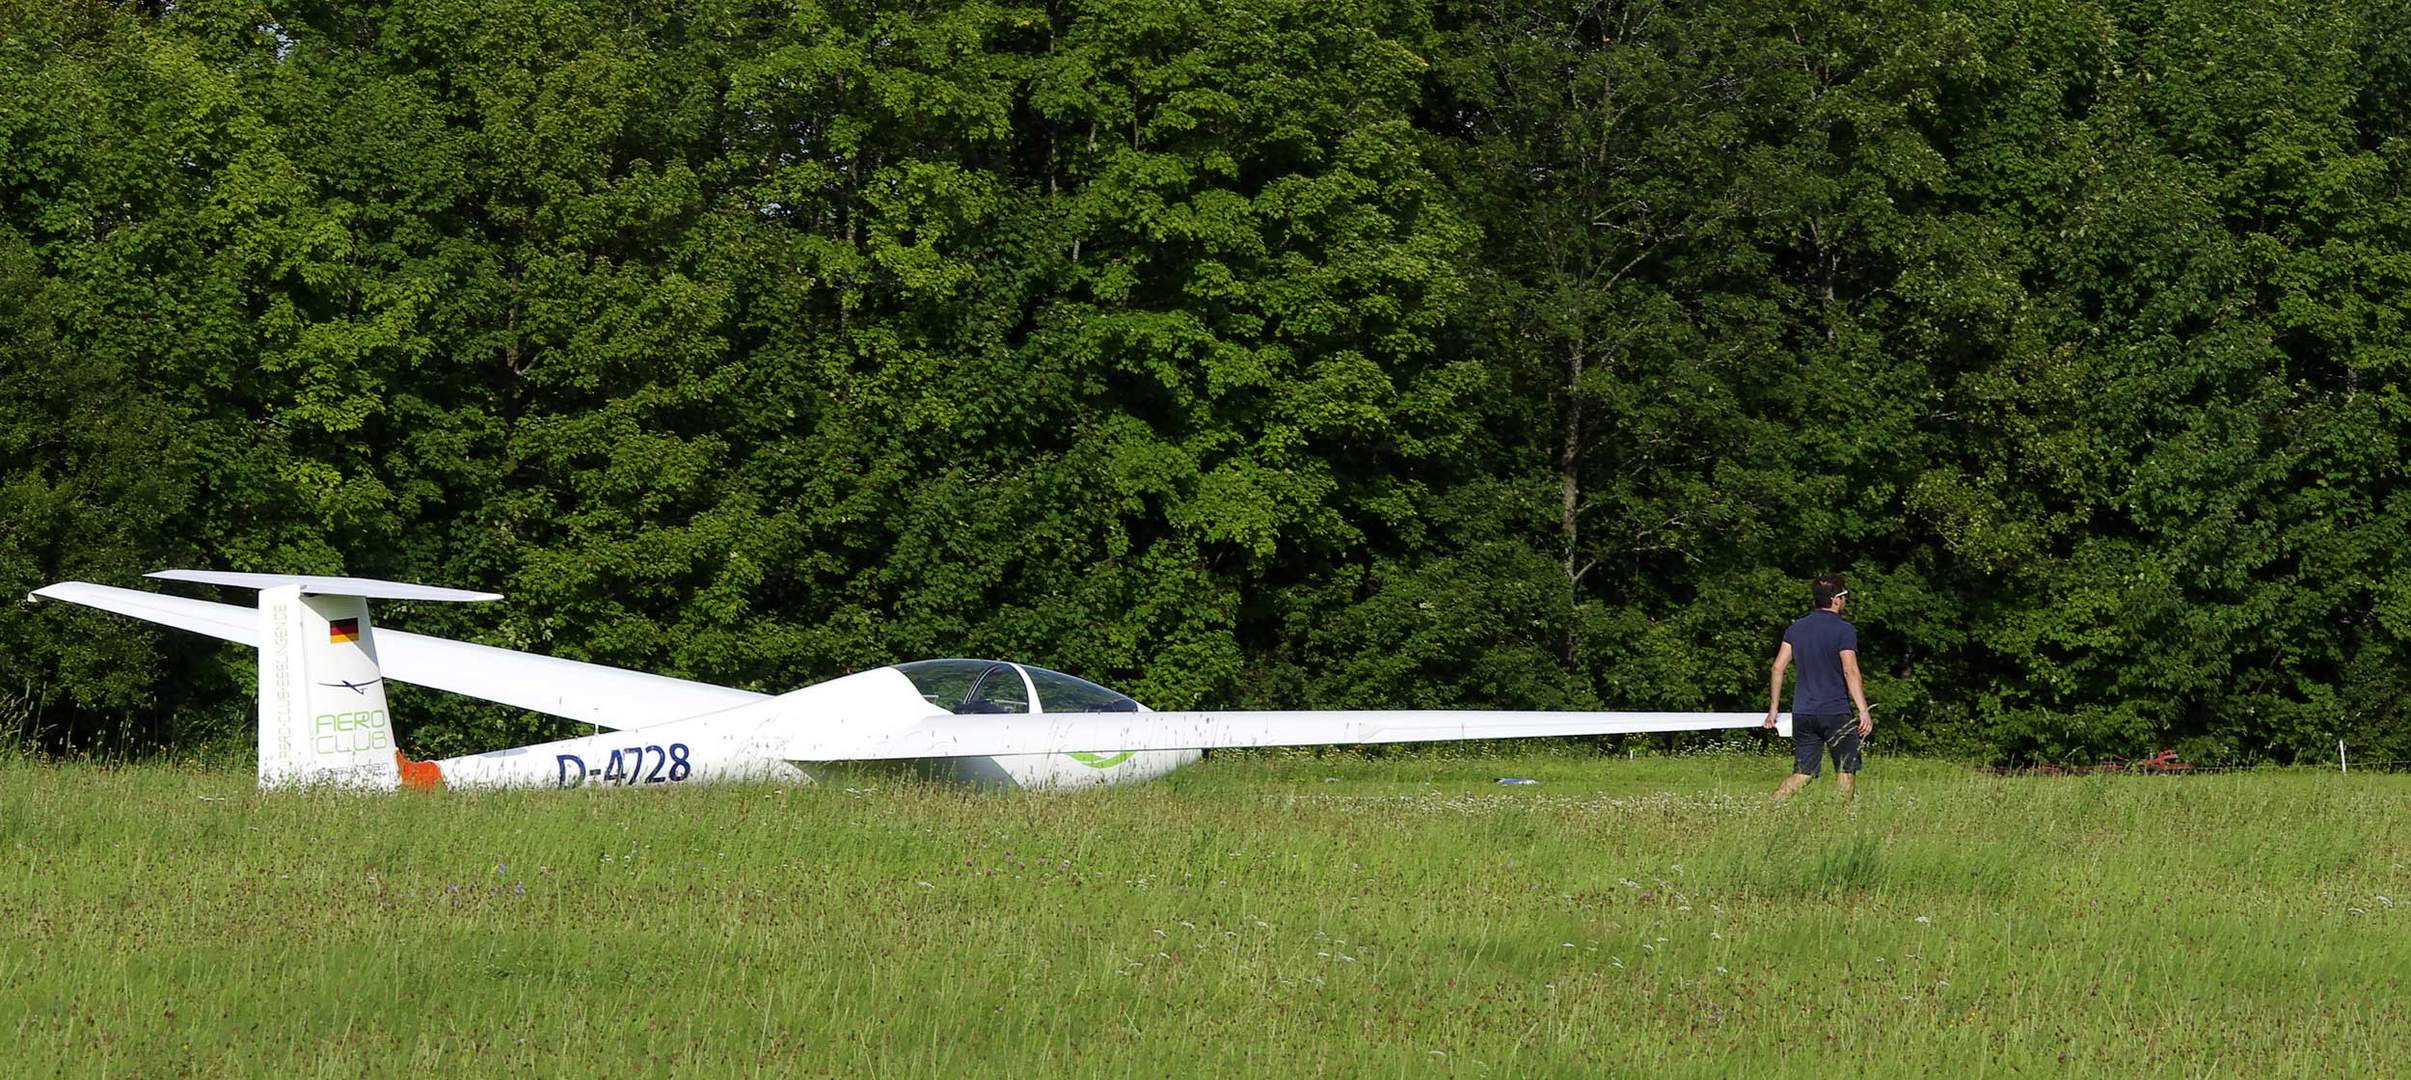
pixel 993 735
pixel 588 693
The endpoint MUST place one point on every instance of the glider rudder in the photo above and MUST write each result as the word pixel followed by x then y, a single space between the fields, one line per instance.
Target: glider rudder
pixel 322 710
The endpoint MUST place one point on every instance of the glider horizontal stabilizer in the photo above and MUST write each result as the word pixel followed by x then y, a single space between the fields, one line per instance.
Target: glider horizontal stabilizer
pixel 364 588
pixel 992 735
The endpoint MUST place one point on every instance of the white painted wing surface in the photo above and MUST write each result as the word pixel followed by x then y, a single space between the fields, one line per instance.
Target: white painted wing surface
pixel 236 624
pixel 588 693
pixel 991 735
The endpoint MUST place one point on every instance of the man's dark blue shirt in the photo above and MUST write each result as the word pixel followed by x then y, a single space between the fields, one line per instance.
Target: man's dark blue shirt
pixel 1817 640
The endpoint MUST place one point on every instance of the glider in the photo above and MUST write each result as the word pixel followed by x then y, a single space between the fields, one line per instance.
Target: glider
pixel 323 720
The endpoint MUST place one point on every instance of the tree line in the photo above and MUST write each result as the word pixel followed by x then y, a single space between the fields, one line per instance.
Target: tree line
pixel 1275 353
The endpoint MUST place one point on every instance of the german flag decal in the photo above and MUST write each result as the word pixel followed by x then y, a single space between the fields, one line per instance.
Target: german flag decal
pixel 342 630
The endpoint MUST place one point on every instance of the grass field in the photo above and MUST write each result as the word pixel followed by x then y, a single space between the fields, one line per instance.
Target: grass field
pixel 1249 917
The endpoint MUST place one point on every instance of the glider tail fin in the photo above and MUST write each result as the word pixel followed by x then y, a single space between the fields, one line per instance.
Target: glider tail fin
pixel 322 693
pixel 323 718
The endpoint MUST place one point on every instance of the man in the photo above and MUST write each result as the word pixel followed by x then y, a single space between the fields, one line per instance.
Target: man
pixel 1827 648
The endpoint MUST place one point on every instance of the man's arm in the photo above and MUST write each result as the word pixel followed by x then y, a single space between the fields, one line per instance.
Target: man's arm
pixel 1858 695
pixel 1774 682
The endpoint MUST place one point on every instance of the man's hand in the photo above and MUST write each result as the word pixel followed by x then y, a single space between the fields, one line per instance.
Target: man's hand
pixel 1770 720
pixel 1866 723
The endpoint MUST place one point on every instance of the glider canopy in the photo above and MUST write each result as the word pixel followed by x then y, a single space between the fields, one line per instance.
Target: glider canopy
pixel 969 687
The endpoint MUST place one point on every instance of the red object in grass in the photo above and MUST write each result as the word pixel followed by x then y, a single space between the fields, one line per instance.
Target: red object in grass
pixel 2164 761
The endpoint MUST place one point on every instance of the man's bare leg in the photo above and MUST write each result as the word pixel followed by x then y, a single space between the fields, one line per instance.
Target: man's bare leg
pixel 1791 785
pixel 1842 782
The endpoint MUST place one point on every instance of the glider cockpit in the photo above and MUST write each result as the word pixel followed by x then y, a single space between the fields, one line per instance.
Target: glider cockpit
pixel 967 687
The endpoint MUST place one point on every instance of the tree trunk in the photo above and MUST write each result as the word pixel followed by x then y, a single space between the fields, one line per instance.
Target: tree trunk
pixel 1569 456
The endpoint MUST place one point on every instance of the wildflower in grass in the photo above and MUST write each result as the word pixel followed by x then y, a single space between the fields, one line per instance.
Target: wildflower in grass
pixel 1924 921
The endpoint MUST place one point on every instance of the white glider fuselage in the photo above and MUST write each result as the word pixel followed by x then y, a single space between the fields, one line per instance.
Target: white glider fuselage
pixel 749 743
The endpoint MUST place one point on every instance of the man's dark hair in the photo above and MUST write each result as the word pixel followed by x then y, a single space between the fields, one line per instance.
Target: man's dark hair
pixel 1825 589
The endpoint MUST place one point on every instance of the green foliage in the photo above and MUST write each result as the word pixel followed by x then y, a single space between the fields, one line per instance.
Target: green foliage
pixel 1482 352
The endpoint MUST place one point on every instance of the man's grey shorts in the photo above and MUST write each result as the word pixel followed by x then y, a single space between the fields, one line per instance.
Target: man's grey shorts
pixel 1812 733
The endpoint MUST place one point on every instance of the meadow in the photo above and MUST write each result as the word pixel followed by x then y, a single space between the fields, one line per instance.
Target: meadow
pixel 1258 915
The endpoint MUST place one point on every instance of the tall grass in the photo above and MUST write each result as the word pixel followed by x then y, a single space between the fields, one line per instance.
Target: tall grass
pixel 1266 915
